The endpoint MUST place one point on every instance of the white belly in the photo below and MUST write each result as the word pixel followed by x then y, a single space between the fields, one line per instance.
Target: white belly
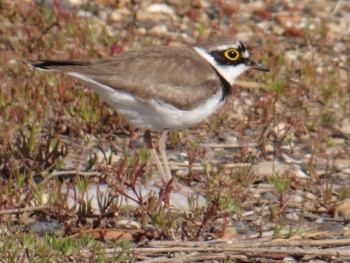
pixel 153 115
pixel 157 117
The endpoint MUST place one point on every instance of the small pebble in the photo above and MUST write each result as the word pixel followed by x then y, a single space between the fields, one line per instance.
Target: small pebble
pixel 44 228
pixel 292 216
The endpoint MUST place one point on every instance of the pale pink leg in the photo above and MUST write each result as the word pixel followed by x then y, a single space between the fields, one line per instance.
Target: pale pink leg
pixel 148 141
pixel 161 148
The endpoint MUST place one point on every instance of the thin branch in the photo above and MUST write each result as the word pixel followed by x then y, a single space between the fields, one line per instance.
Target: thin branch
pixel 64 173
pixel 23 210
pixel 242 243
pixel 245 250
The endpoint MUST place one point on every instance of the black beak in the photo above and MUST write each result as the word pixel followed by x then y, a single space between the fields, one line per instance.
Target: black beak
pixel 251 63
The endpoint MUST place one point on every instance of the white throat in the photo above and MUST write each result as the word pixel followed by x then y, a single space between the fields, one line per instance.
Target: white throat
pixel 229 73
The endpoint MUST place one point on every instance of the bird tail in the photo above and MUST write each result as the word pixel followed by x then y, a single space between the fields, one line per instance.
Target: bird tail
pixel 55 64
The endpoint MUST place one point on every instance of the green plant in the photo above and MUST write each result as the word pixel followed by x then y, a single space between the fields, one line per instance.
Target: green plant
pixel 281 185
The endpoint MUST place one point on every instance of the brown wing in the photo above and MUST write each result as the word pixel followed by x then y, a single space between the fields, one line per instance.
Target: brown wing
pixel 171 75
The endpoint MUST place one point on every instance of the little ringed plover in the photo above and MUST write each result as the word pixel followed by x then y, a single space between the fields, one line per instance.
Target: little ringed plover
pixel 163 88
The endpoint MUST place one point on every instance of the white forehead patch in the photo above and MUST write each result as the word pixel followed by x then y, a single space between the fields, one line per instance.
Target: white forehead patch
pixel 225 47
pixel 246 53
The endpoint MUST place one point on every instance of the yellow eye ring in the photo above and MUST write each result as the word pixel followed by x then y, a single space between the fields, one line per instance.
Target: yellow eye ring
pixel 231 54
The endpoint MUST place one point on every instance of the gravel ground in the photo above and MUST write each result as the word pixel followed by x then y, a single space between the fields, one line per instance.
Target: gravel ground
pixel 278 150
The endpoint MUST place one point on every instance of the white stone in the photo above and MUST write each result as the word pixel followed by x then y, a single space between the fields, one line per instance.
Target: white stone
pixel 160 8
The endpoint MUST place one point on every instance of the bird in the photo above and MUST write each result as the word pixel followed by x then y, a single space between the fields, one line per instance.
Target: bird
pixel 163 88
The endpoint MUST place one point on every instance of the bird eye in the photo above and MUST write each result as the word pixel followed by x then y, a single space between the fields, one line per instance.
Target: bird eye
pixel 231 54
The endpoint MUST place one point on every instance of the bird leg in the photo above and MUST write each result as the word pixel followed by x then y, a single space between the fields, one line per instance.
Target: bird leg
pixel 148 140
pixel 166 175
pixel 162 148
